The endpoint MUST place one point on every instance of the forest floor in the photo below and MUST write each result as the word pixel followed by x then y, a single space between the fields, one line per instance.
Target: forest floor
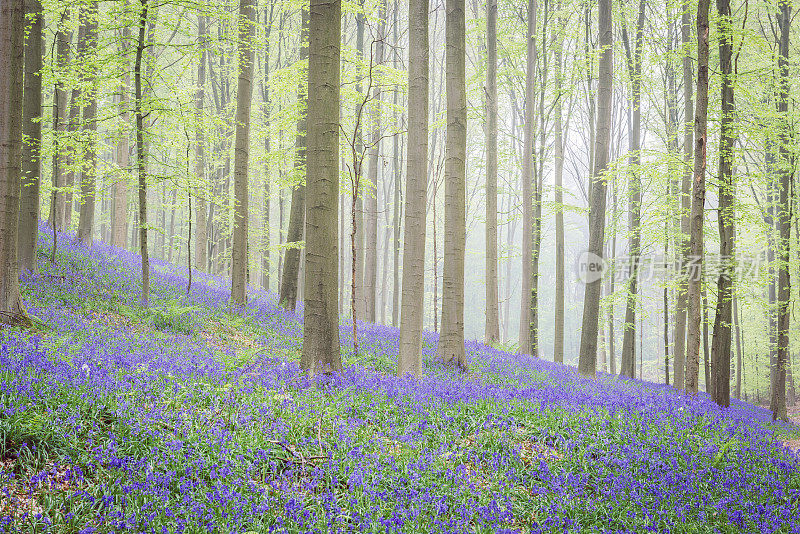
pixel 188 416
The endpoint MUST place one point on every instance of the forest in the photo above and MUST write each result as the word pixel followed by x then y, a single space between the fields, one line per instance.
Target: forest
pixel 399 266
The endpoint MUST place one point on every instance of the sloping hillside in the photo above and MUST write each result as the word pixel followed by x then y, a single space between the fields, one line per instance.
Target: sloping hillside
pixel 187 417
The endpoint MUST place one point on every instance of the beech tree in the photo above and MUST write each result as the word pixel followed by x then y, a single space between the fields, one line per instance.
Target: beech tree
pixel 492 330
pixel 451 338
pixel 297 213
pixel 778 386
pixel 12 33
pixel 87 47
pixel 32 137
pixel 587 359
pixel 723 317
pixel 244 95
pixel 409 359
pixel 321 325
pixel 698 203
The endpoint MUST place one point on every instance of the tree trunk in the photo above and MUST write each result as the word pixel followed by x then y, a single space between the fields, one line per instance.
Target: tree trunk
pixel 738 331
pixel 72 154
pixel 89 170
pixel 492 328
pixel 119 231
pixel 698 202
pixel 558 341
pixel 723 317
pixel 528 183
pixel 321 325
pixel 12 34
pixel 451 339
pixel 634 62
pixel 201 232
pixel 60 120
pixel 679 364
pixel 244 98
pixel 783 183
pixel 297 213
pixel 587 361
pixel 28 230
pixel 141 156
pixel 409 360
pixel 265 97
pixel 371 201
pixel 397 187
pixel 358 199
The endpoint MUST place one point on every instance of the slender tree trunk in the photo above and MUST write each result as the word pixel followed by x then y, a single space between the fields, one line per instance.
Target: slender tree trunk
pixel 358 198
pixel 201 233
pixel 28 230
pixel 587 361
pixel 634 62
pixel 63 37
pixel 89 171
pixel 371 201
pixel 739 365
pixel 528 183
pixel 119 232
pixel 321 325
pixel 558 341
pixel 265 97
pixel 451 340
pixel 492 327
pixel 12 34
pixel 72 155
pixel 297 213
pixel 723 317
pixel 676 215
pixel 171 231
pixel 387 240
pixel 783 182
pixel 706 363
pixel 412 299
pixel 698 202
pixel 612 351
pixel 141 156
pixel 684 253
pixel 244 98
pixel 397 185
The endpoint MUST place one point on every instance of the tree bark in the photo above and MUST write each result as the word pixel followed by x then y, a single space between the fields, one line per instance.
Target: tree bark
pixel 141 156
pixel 698 202
pixel 587 360
pixel 358 200
pixel 201 209
pixel 60 120
pixel 90 82
pixel 244 98
pixel 371 201
pixel 723 317
pixel 528 183
pixel 679 350
pixel 321 325
pixel 558 340
pixel 451 339
pixel 265 212
pixel 28 230
pixel 783 182
pixel 12 34
pixel 634 62
pixel 297 213
pixel 492 327
pixel 119 232
pixel 409 360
